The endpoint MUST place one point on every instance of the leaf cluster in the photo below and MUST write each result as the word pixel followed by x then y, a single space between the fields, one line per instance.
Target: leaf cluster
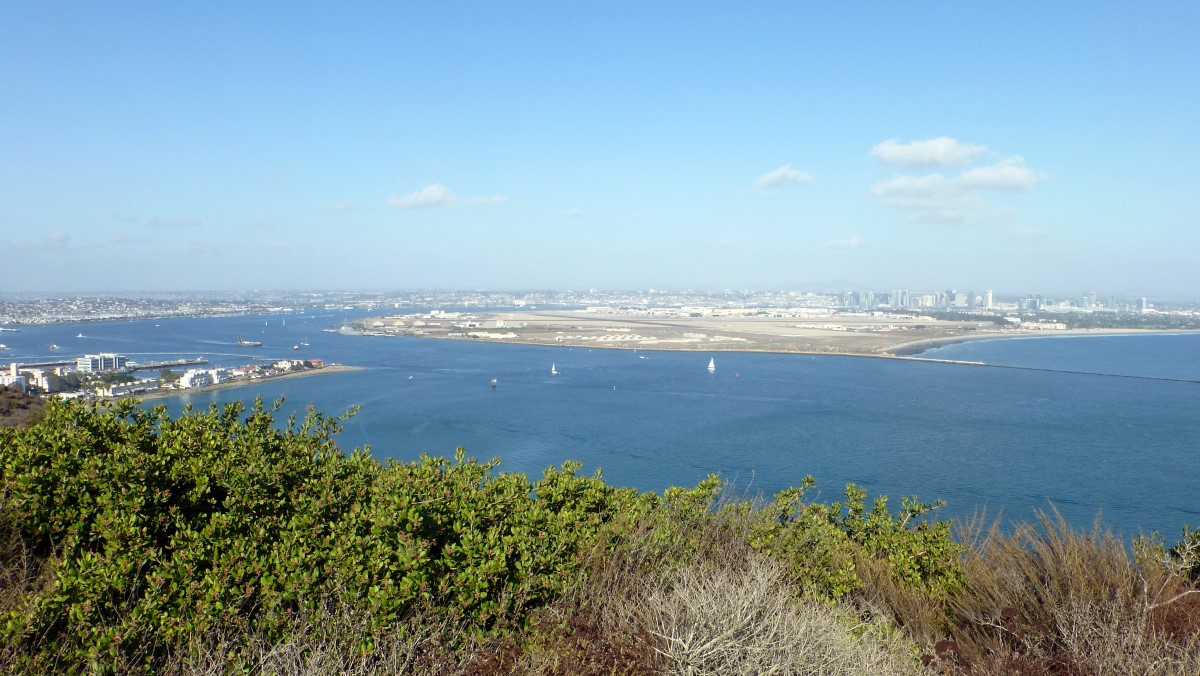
pixel 165 529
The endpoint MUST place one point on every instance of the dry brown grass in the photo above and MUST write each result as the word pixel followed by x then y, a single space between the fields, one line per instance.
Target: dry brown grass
pixel 1049 599
pixel 718 621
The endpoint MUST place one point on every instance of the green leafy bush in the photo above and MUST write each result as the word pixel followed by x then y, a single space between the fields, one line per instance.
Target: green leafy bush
pixel 819 543
pixel 167 529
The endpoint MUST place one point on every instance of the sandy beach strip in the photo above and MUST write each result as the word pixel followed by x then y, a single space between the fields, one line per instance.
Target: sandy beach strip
pixel 916 347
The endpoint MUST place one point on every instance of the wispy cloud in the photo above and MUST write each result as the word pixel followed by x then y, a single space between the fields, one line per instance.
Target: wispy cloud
pixel 783 177
pixel 339 208
pixel 436 195
pixel 174 223
pixel 935 152
pixel 1008 174
pixel 848 244
pixel 952 199
pixel 430 196
pixel 55 240
pixel 570 213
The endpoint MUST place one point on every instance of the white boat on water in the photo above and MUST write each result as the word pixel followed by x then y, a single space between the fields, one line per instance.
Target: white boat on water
pixel 553 370
pixel 712 365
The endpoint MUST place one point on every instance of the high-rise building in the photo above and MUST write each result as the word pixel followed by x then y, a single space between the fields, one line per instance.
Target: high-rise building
pixel 987 299
pixel 105 361
pixel 1143 305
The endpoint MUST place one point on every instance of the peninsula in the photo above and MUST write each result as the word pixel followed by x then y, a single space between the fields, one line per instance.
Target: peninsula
pixel 806 331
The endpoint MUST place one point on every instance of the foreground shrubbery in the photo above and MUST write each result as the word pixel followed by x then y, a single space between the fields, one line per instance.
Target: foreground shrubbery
pixel 215 541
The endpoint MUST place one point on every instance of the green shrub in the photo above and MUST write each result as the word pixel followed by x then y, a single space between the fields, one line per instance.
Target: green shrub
pixel 819 543
pixel 164 530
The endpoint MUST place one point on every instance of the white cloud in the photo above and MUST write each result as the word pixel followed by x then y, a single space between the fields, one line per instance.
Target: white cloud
pixel 429 196
pixel 783 177
pixel 957 200
pixel 849 244
pixel 1009 174
pixel 934 152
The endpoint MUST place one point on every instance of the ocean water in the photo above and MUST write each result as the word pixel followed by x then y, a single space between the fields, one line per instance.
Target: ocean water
pixel 1010 440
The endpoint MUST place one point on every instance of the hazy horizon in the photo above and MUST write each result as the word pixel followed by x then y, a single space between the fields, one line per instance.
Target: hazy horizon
pixel 1029 148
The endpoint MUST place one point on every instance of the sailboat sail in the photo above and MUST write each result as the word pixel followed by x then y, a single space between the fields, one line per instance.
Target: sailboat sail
pixel 712 365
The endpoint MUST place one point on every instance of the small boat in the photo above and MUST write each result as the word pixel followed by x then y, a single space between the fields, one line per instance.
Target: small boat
pixel 248 343
pixel 296 346
pixel 410 377
pixel 712 365
pixel 80 335
pixel 493 383
pixel 53 346
pixel 553 370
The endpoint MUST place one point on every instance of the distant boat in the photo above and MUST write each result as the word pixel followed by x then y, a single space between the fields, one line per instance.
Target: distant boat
pixel 80 335
pixel 296 346
pixel 712 365
pixel 553 370
pixel 53 346
pixel 248 343
pixel 493 383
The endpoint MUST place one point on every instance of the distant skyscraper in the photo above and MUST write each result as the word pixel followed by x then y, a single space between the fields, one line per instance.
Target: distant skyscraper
pixel 987 299
pixel 1143 305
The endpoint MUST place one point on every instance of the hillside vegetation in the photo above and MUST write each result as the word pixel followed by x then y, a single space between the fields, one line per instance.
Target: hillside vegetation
pixel 222 540
pixel 18 409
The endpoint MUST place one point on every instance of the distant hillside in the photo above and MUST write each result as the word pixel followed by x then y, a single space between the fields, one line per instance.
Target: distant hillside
pixel 18 409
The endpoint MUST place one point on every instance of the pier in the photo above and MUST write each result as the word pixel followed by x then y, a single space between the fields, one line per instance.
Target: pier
pixel 153 365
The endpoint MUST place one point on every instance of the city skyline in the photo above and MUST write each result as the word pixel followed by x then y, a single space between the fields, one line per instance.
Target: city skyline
pixel 1036 147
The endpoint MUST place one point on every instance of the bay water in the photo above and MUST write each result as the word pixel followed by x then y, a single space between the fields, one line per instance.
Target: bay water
pixel 1111 429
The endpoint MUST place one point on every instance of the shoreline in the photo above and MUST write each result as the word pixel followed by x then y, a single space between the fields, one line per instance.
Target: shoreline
pixel 231 385
pixel 913 349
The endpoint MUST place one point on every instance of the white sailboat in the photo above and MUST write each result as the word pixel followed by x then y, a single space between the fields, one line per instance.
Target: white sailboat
pixel 712 365
pixel 553 370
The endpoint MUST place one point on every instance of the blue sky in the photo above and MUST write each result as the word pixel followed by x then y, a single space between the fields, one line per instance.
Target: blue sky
pixel 1021 147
